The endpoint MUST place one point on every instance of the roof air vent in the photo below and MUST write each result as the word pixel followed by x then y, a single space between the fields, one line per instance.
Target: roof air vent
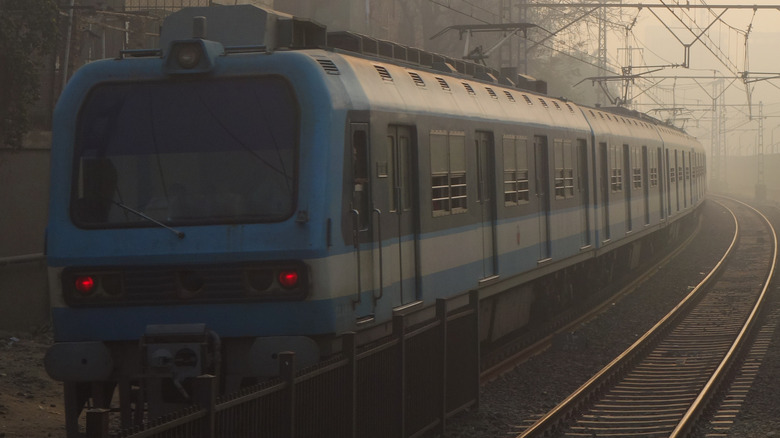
pixel 444 85
pixel 383 73
pixel 329 67
pixel 417 79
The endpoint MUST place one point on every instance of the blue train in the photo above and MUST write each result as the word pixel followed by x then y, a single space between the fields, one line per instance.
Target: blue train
pixel 247 189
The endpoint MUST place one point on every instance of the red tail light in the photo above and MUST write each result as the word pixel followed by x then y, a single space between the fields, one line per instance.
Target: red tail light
pixel 288 279
pixel 85 284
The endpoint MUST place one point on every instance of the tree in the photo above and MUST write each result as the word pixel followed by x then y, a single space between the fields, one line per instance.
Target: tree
pixel 28 31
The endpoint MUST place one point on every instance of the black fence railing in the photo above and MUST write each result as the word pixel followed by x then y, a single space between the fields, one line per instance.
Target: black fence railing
pixel 163 5
pixel 405 385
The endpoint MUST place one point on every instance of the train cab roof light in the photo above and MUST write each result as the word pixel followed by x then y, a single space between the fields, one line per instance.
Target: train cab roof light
pixel 192 56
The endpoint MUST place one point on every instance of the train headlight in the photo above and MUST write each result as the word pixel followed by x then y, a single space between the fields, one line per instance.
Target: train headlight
pixel 84 284
pixel 112 284
pixel 193 56
pixel 188 55
pixel 289 279
pixel 87 286
pixel 260 280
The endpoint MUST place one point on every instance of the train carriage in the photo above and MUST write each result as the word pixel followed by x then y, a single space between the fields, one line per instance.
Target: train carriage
pixel 247 191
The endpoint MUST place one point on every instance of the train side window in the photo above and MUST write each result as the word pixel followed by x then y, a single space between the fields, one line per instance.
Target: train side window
pixel 636 169
pixel 448 172
pixel 616 168
pixel 405 172
pixel 568 177
pixel 361 190
pixel 391 152
pixel 564 169
pixel 688 167
pixel 399 167
pixel 515 170
pixel 652 166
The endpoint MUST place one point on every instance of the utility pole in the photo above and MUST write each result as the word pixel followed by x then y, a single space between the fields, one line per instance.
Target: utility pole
pixel 717 148
pixel 760 185
pixel 523 61
pixel 601 54
pixel 505 52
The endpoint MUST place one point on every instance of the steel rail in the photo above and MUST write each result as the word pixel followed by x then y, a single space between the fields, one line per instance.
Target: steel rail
pixel 554 418
pixel 689 419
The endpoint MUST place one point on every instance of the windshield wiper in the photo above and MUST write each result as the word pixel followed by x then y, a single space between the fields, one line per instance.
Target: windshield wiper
pixel 179 234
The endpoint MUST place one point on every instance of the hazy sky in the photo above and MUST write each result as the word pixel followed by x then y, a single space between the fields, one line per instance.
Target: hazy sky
pixel 726 38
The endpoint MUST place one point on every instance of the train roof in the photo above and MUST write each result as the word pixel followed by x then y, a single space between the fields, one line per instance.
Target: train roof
pixel 248 27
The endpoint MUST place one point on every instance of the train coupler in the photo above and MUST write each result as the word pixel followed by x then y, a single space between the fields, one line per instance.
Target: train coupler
pixel 173 355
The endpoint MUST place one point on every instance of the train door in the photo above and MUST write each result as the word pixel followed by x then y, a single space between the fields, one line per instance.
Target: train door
pixel 542 164
pixel 401 263
pixel 684 177
pixel 646 185
pixel 584 189
pixel 361 216
pixel 605 186
pixel 688 181
pixel 660 164
pixel 677 180
pixel 628 185
pixel 486 188
pixel 669 180
pixel 694 185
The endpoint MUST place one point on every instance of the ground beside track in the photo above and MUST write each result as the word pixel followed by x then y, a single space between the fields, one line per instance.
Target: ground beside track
pixel 31 404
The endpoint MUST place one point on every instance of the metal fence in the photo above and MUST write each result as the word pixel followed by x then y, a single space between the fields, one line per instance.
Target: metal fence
pixel 163 5
pixel 405 385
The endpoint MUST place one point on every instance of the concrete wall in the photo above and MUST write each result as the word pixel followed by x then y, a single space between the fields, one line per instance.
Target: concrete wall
pixel 24 196
pixel 24 297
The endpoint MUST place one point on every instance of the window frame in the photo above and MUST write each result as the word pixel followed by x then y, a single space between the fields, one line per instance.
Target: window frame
pixel 449 185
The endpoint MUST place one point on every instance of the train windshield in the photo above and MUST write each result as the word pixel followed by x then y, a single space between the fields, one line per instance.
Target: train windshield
pixel 186 152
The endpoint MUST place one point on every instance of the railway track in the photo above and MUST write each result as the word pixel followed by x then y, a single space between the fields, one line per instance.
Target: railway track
pixel 662 383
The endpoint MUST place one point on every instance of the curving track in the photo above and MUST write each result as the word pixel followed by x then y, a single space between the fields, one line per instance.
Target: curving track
pixel 660 385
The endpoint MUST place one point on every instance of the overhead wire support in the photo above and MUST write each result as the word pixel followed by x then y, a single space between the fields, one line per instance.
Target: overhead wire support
pixel 687 46
pixel 477 54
